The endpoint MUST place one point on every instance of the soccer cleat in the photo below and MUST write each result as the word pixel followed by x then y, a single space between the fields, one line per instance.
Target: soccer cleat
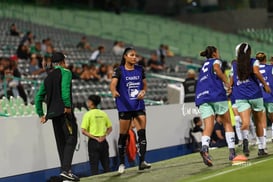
pixel 245 147
pixel 69 176
pixel 121 169
pixel 232 154
pixel 144 165
pixel 262 152
pixel 205 155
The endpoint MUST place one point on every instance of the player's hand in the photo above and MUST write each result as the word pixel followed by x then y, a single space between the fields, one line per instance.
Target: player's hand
pixel 141 94
pixel 67 110
pixel 227 87
pixel 115 94
pixel 267 88
pixel 101 139
pixel 43 119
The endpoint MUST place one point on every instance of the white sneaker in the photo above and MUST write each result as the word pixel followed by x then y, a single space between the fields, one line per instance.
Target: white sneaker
pixel 69 176
pixel 121 168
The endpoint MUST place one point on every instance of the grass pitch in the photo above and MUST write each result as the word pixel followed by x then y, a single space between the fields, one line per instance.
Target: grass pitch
pixel 190 168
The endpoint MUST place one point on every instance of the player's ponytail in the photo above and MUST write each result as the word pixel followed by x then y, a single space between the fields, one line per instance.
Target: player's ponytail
pixel 243 61
pixel 208 53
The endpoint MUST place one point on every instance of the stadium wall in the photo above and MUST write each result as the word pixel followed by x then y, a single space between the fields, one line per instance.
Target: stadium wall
pixel 229 20
pixel 28 150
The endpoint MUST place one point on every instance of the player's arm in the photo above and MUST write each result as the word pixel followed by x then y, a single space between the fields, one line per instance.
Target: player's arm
pixel 109 130
pixel 39 98
pixel 219 134
pixel 108 125
pixel 113 87
pixel 218 71
pixel 114 82
pixel 66 89
pixel 142 92
pixel 256 71
pixel 231 81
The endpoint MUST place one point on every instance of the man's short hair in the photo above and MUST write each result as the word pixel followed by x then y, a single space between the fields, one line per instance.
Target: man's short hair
pixel 95 99
pixel 57 57
pixel 196 119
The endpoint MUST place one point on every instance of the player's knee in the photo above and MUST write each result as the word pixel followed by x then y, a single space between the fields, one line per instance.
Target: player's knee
pixel 122 139
pixel 141 134
pixel 245 126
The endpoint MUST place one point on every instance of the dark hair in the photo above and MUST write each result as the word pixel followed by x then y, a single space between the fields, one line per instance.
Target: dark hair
pixel 243 62
pixel 127 49
pixel 208 52
pixel 225 66
pixel 196 119
pixel 261 56
pixel 100 47
pixel 115 42
pixel 95 99
pixel 57 57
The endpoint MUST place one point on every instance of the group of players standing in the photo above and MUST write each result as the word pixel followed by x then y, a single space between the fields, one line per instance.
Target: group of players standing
pixel 248 87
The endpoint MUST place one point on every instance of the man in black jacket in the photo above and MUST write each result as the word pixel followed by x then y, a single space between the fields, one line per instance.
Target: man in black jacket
pixel 56 88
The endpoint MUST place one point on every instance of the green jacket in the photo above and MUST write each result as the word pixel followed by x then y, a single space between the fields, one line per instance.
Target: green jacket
pixel 56 91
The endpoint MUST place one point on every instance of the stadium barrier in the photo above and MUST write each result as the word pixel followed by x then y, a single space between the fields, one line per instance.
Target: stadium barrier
pixel 28 150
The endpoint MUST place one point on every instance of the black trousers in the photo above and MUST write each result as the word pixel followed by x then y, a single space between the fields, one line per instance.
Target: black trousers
pixel 98 152
pixel 66 131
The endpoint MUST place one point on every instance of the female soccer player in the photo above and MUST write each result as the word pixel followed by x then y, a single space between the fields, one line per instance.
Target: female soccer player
pixel 247 93
pixel 267 71
pixel 128 86
pixel 211 98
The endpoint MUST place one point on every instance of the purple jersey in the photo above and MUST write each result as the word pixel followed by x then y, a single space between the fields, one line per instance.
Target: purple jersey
pixel 209 87
pixel 245 89
pixel 266 71
pixel 129 85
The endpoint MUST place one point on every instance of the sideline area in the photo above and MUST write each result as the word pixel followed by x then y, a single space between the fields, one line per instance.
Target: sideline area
pixel 190 168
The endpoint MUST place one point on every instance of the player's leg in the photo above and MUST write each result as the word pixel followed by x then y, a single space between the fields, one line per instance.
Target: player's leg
pixel 221 108
pixel 104 156
pixel 140 124
pixel 70 130
pixel 207 114
pixel 259 120
pixel 124 125
pixel 238 123
pixel 244 112
pixel 93 153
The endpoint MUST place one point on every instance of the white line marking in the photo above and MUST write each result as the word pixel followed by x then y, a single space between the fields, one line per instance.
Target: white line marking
pixel 235 169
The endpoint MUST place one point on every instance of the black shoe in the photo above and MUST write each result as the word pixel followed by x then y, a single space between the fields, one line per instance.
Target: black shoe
pixel 205 155
pixel 262 152
pixel 69 176
pixel 144 165
pixel 232 154
pixel 245 147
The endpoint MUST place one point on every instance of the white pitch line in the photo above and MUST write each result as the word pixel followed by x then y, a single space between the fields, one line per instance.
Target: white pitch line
pixel 231 170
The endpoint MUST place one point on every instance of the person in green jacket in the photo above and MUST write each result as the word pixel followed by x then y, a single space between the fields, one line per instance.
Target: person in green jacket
pixel 56 92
